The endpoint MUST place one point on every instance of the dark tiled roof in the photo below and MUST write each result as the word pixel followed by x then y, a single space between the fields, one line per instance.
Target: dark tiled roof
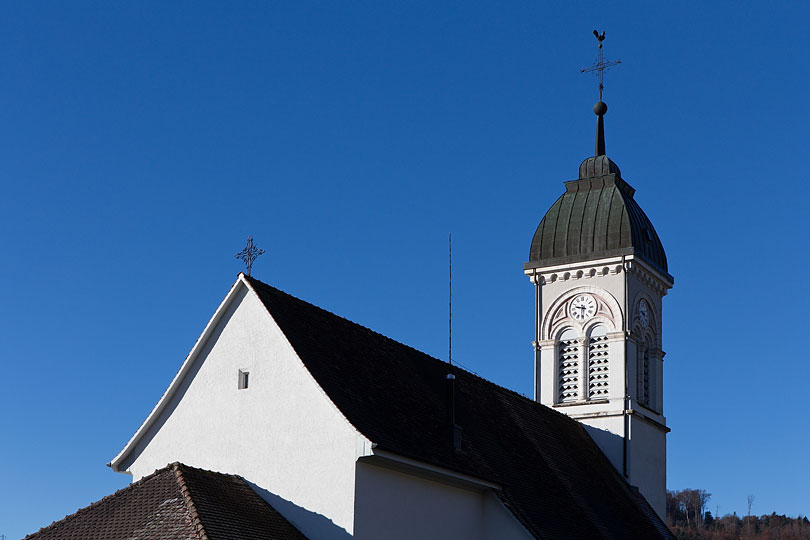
pixel 554 477
pixel 177 502
pixel 596 217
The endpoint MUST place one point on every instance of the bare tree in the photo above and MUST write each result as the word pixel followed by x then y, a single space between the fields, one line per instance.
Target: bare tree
pixel 750 500
pixel 703 497
pixel 688 505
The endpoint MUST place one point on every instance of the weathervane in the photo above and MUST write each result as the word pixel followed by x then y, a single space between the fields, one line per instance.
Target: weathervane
pixel 601 64
pixel 249 254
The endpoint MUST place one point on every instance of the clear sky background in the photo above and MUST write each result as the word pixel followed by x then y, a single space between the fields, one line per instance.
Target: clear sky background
pixel 141 143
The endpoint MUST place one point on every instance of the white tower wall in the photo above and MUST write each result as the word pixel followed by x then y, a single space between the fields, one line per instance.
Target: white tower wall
pixel 626 419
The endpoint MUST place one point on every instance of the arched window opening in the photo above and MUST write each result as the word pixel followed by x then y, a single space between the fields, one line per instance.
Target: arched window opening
pixel 598 363
pixel 568 358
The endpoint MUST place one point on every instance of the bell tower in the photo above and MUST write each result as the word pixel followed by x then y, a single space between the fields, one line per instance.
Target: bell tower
pixel 600 274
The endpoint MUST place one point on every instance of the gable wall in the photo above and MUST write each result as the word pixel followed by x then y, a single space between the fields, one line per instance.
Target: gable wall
pixel 400 506
pixel 281 434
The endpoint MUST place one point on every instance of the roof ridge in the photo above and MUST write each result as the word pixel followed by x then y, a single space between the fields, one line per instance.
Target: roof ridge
pixel 84 509
pixel 255 281
pixel 196 522
pixel 455 367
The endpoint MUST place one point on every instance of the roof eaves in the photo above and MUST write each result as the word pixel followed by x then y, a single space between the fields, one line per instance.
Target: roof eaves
pixel 401 462
pixel 178 378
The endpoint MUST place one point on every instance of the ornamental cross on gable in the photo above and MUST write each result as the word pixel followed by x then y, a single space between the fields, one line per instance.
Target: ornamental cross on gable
pixel 601 64
pixel 249 254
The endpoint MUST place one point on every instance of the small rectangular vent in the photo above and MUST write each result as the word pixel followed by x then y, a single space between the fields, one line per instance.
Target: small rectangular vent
pixel 243 379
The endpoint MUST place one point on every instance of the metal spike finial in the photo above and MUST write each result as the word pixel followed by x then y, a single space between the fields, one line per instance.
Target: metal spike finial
pixel 601 64
pixel 249 254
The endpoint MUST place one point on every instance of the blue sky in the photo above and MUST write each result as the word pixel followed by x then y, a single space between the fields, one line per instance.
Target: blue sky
pixel 140 144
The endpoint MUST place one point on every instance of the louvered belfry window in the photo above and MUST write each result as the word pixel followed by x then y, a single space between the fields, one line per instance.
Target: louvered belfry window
pixel 598 363
pixel 569 369
pixel 645 375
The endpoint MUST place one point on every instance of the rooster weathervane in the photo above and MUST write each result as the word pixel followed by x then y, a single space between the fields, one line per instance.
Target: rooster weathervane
pixel 601 64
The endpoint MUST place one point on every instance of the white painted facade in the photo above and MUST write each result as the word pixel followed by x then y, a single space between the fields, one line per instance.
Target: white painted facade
pixel 399 505
pixel 291 443
pixel 605 369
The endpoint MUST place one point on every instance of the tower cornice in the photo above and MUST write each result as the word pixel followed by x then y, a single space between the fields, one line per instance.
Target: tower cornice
pixel 573 271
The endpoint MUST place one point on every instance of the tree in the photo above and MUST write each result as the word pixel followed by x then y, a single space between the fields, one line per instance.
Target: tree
pixel 750 501
pixel 687 505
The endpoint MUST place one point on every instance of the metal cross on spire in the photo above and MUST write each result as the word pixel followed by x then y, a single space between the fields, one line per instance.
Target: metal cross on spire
pixel 249 254
pixel 601 64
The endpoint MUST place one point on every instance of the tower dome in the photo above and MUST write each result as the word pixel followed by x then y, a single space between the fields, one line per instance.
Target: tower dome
pixel 596 217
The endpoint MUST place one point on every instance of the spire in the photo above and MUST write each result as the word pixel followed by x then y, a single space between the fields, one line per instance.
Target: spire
pixel 601 65
pixel 599 164
pixel 599 110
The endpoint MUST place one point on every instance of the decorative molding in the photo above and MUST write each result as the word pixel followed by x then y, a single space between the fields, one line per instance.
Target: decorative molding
pixel 601 267
pixel 657 420
pixel 647 276
pixel 544 344
pixel 547 277
pixel 600 401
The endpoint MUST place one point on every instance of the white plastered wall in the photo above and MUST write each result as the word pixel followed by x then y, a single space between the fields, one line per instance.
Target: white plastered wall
pixel 608 433
pixel 282 433
pixel 399 506
pixel 649 468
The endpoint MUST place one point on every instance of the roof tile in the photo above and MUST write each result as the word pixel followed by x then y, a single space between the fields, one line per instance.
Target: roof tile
pixel 177 502
pixel 596 217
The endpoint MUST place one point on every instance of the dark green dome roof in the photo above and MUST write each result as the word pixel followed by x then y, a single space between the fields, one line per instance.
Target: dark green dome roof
pixel 596 217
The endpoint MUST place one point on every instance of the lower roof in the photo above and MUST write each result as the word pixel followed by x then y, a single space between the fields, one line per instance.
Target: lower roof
pixel 177 502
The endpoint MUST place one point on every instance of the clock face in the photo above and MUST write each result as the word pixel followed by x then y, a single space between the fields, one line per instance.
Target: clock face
pixel 583 307
pixel 644 313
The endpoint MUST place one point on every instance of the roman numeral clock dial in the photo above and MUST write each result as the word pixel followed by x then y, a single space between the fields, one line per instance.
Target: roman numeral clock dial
pixel 582 308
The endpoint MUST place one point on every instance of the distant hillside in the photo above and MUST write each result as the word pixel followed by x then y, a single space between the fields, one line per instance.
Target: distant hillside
pixel 689 519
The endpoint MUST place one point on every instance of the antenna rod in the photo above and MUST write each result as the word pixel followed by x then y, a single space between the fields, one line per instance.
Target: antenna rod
pixel 450 299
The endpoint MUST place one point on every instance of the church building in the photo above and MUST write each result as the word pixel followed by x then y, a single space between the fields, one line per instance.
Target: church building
pixel 288 421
